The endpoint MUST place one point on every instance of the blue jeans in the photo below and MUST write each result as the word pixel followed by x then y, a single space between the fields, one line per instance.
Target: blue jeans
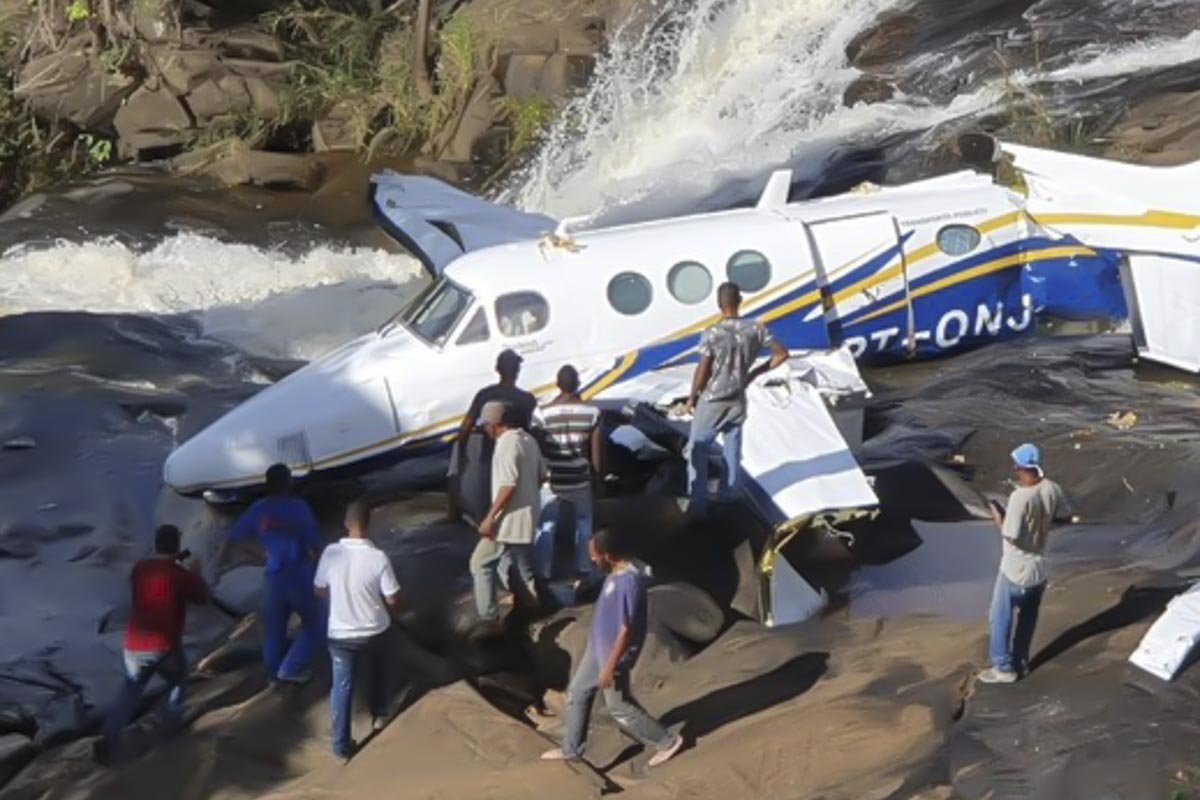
pixel 555 509
pixel 284 594
pixel 140 667
pixel 1008 648
pixel 369 654
pixel 491 564
pixel 713 420
pixel 625 710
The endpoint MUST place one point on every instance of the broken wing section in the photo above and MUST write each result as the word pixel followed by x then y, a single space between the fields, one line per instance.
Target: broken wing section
pixel 438 223
pixel 797 464
pixel 1147 219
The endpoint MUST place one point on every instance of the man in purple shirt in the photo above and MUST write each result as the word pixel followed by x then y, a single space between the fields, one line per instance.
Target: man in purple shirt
pixel 617 635
pixel 287 530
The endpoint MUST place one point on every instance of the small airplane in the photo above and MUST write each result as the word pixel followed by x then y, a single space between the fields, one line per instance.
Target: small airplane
pixel 894 273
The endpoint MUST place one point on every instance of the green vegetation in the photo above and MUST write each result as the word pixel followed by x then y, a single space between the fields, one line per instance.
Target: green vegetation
pixel 528 119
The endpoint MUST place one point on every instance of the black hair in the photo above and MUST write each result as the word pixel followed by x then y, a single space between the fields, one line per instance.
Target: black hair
pixel 358 513
pixel 568 379
pixel 279 479
pixel 729 295
pixel 167 539
pixel 609 543
pixel 512 416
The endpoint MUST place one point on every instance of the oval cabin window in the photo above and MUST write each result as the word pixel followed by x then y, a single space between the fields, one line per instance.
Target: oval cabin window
pixel 630 293
pixel 750 270
pixel 689 282
pixel 958 240
pixel 521 313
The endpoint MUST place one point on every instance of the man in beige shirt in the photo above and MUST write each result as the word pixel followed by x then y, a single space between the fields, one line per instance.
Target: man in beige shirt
pixel 506 532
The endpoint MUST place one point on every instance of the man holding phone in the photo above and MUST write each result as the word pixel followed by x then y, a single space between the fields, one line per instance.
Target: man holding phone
pixel 1033 509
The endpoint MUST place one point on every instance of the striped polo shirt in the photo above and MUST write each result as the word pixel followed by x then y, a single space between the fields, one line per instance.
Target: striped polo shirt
pixel 567 444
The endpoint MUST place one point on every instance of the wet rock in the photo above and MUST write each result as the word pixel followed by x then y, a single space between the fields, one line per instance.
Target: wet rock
pixel 889 40
pixel 238 165
pixel 586 37
pixel 151 119
pixel 523 75
pixel 71 85
pixel 15 752
pixel 239 589
pixel 868 89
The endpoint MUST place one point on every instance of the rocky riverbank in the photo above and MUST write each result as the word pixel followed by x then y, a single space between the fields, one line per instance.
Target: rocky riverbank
pixel 246 91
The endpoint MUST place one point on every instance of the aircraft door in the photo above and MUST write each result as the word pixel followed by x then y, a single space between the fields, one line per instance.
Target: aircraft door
pixel 860 266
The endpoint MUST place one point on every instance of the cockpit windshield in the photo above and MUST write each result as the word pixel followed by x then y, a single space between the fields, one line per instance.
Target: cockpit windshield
pixel 434 312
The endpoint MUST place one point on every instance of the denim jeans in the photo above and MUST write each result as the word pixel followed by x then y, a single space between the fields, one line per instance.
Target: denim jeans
pixel 491 563
pixel 555 510
pixel 368 655
pixel 1008 648
pixel 714 419
pixel 632 718
pixel 284 594
pixel 140 667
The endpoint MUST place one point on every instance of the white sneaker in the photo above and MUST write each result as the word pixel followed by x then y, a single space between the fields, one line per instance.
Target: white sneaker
pixel 665 755
pixel 557 754
pixel 993 675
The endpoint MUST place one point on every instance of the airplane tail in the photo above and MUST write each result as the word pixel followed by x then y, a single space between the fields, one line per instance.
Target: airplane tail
pixel 438 223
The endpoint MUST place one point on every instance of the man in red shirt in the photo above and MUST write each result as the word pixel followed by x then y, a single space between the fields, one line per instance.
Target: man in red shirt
pixel 154 637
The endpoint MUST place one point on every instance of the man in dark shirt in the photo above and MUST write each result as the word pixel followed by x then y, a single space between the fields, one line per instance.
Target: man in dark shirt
pixel 508 368
pixel 614 643
pixel 287 530
pixel 728 351
pixel 154 636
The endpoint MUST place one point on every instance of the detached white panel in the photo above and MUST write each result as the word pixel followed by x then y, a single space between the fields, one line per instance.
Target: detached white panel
pixel 1167 314
pixel 1171 638
pixel 793 451
pixel 793 599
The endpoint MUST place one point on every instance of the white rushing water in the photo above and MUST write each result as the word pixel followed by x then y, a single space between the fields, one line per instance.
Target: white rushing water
pixel 734 88
pixel 260 300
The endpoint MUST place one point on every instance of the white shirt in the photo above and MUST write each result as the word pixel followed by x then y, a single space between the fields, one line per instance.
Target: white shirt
pixel 358 576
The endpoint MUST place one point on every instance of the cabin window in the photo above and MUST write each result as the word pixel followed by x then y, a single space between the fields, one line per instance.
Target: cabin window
pixel 434 314
pixel 750 270
pixel 476 330
pixel 958 240
pixel 630 293
pixel 521 313
pixel 689 282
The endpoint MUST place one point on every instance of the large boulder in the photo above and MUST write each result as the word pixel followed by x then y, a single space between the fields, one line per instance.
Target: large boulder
pixel 71 85
pixel 185 68
pixel 886 42
pixel 151 119
pixel 1163 130
pixel 214 99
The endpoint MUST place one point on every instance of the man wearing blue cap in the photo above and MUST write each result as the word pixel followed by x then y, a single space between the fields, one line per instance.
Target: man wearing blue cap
pixel 1033 508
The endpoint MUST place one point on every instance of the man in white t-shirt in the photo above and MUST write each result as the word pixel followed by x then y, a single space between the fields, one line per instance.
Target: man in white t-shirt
pixel 1033 509
pixel 357 578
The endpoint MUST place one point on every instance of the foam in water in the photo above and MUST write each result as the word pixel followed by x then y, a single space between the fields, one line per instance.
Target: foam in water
pixel 1107 62
pixel 728 90
pixel 261 300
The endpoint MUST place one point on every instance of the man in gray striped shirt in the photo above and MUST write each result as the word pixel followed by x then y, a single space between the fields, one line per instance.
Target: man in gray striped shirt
pixel 569 431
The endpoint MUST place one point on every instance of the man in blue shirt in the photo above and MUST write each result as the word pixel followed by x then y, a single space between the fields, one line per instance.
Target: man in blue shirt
pixel 614 643
pixel 287 529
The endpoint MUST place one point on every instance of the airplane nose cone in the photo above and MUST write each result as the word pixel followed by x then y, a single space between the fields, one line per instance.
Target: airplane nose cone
pixel 322 416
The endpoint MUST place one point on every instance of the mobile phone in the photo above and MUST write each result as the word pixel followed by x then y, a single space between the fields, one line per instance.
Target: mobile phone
pixel 997 506
pixel 183 555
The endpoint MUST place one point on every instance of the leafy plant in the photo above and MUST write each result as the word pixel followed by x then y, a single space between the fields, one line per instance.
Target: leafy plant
pixel 78 11
pixel 98 149
pixel 528 119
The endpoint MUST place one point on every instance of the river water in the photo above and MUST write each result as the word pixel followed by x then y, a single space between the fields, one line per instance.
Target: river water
pixel 134 310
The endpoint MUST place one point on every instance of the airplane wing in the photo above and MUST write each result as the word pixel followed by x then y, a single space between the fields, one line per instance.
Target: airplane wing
pixel 796 460
pixel 438 223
